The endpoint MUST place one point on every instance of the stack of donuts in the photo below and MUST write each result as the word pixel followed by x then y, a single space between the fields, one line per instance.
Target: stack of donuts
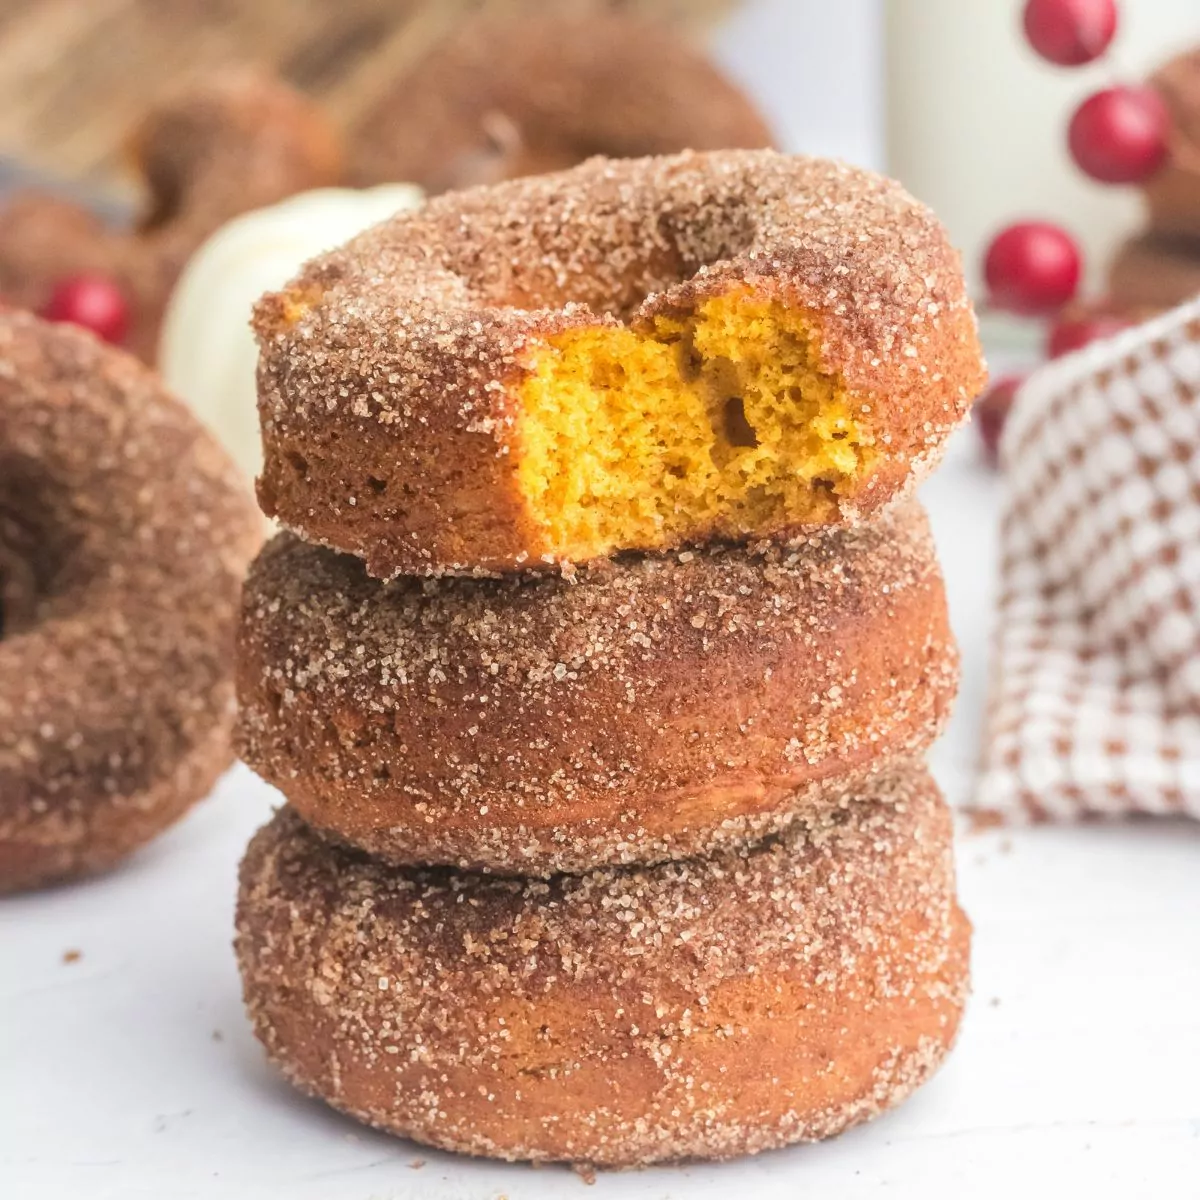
pixel 598 658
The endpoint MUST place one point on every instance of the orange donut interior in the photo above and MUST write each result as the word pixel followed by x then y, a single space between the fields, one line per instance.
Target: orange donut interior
pixel 721 420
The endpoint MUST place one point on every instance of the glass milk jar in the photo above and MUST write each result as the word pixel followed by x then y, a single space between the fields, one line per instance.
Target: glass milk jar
pixel 977 122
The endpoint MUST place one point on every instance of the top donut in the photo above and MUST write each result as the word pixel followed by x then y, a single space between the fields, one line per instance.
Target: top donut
pixel 630 355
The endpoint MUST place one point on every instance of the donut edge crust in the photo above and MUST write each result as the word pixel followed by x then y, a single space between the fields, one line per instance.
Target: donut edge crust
pixel 63 849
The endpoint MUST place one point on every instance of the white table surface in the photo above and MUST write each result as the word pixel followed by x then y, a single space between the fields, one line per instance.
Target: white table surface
pixel 131 1072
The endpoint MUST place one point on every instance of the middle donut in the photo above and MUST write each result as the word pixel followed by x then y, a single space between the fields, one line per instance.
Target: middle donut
pixel 643 709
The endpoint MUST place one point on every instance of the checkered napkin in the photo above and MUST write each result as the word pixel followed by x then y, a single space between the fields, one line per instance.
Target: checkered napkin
pixel 1095 689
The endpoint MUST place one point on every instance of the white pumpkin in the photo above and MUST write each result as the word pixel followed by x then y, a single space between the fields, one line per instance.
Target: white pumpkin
pixel 207 354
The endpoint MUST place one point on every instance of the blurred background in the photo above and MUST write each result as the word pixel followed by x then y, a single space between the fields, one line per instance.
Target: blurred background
pixel 997 113
pixel 77 75
pixel 945 95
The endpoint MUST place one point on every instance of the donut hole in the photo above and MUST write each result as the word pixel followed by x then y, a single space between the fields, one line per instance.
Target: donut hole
pixel 18 596
pixel 720 420
pixel 16 590
pixel 165 193
pixel 40 551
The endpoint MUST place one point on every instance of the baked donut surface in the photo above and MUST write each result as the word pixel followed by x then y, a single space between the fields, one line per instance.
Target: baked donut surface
pixel 501 97
pixel 124 534
pixel 632 354
pixel 651 708
pixel 697 1009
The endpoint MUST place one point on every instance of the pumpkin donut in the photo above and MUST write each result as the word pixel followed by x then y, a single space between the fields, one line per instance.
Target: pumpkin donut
pixel 699 1009
pixel 123 539
pixel 220 147
pixel 501 97
pixel 629 355
pixel 651 708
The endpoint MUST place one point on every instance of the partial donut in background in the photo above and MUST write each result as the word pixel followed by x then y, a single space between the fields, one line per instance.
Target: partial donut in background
pixel 220 147
pixel 1151 273
pixel 1173 192
pixel 124 535
pixel 501 97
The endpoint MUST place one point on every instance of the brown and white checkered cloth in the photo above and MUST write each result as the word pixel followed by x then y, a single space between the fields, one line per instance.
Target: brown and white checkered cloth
pixel 1095 689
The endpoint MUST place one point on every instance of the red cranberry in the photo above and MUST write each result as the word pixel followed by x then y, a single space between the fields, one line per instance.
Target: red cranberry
pixel 1119 135
pixel 1073 333
pixel 1070 32
pixel 991 412
pixel 93 301
pixel 1032 267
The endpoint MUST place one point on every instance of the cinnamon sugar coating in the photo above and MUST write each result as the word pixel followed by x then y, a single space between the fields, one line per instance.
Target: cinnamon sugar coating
pixel 124 534
pixel 502 96
pixel 697 1009
pixel 390 368
pixel 648 708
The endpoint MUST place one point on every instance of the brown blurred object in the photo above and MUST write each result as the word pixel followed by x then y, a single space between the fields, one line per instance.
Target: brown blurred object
pixel 206 154
pixel 77 75
pixel 1160 267
pixel 1151 273
pixel 1173 193
pixel 503 97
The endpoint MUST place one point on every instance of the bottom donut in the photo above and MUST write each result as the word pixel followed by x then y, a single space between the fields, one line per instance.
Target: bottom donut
pixel 698 1009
